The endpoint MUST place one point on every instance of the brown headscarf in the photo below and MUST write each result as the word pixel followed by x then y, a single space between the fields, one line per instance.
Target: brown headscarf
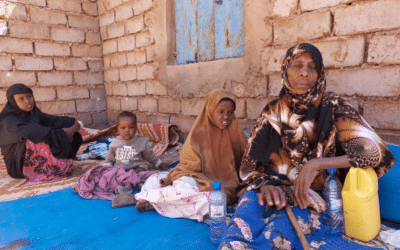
pixel 211 154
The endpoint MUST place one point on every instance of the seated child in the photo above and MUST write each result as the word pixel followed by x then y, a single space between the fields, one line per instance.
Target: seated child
pixel 130 151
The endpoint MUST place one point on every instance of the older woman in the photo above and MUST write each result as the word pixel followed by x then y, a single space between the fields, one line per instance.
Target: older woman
pixel 298 136
pixel 36 145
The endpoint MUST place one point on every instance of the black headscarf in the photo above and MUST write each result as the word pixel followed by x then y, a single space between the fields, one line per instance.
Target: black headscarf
pixel 17 126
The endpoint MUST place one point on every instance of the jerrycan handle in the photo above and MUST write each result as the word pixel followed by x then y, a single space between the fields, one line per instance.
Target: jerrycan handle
pixel 350 183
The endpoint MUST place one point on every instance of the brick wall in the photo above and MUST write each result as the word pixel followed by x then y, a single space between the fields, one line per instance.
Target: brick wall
pixel 131 83
pixel 54 47
pixel 59 48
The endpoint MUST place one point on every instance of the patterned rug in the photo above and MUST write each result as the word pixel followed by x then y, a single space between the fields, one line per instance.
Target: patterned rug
pixel 160 135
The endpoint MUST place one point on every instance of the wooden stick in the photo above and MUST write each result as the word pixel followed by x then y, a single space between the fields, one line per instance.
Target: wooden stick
pixel 296 226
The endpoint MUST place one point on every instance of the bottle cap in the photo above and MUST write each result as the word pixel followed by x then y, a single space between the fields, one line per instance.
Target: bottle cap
pixel 331 170
pixel 216 185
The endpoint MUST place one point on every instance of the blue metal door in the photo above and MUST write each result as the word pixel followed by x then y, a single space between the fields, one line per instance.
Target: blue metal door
pixel 208 30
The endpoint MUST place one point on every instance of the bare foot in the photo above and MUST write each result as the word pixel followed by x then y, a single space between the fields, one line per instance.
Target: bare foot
pixel 75 188
pixel 144 205
pixel 77 172
pixel 122 200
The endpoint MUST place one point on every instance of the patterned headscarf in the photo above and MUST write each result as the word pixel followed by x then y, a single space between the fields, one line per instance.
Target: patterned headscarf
pixel 296 128
pixel 299 101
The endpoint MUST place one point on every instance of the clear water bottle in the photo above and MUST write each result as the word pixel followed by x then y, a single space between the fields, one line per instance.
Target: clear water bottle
pixel 332 194
pixel 217 203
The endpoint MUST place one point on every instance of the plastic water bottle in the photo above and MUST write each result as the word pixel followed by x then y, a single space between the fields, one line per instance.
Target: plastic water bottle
pixel 332 194
pixel 217 203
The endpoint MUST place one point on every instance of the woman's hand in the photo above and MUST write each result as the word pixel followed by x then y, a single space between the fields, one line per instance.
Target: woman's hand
pixel 303 183
pixel 272 195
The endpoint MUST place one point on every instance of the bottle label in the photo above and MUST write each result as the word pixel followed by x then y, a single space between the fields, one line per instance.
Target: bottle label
pixel 217 211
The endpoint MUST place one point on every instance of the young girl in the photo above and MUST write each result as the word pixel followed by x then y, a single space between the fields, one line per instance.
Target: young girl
pixel 212 152
pixel 36 145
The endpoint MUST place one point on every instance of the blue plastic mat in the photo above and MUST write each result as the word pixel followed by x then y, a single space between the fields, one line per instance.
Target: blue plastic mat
pixel 64 220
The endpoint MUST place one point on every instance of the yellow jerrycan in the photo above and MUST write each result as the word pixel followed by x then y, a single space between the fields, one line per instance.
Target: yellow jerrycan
pixel 362 219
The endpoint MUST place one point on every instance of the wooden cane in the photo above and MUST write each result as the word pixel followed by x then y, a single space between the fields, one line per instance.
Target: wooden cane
pixel 296 226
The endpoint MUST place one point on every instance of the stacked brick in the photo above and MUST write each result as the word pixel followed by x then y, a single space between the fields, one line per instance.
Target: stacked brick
pixel 131 83
pixel 54 47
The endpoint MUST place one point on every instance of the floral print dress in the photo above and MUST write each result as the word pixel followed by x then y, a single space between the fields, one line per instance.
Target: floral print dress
pixel 252 227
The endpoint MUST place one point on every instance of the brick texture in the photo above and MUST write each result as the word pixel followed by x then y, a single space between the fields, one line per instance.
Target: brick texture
pixel 126 43
pixel 52 49
pixel 366 17
pixel 240 111
pixel 44 94
pixel 69 64
pixel 118 60
pixel 67 34
pixel 144 39
pixel 275 84
pixel 120 89
pixel 100 118
pixel 109 47
pixel 116 30
pixel 90 8
pixel 146 72
pixel 140 6
pixel 306 5
pixel 113 103
pixel 85 78
pixel 33 63
pixel 136 57
pixel 89 105
pixel 5 63
pixel 96 65
pixel 147 104
pixel 18 12
pixel 192 106
pixel 47 17
pixel 169 105
pixel 65 5
pixel 111 75
pixel 123 12
pixel 98 93
pixel 129 103
pixel 134 25
pixel 93 38
pixel 128 73
pixel 54 78
pixel 303 27
pixel 343 53
pixel 382 115
pixel 107 19
pixel 28 30
pixel 254 107
pixel 31 2
pixel 364 82
pixel 155 87
pixel 384 49
pixel 136 89
pixel 84 50
pixel 84 22
pixel 58 107
pixel 13 45
pixel 72 93
pixel 9 78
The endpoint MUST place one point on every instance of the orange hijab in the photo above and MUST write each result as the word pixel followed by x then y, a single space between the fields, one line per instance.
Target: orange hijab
pixel 210 153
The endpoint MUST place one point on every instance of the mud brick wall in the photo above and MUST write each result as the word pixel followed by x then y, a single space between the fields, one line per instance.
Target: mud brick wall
pixel 359 41
pixel 54 47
